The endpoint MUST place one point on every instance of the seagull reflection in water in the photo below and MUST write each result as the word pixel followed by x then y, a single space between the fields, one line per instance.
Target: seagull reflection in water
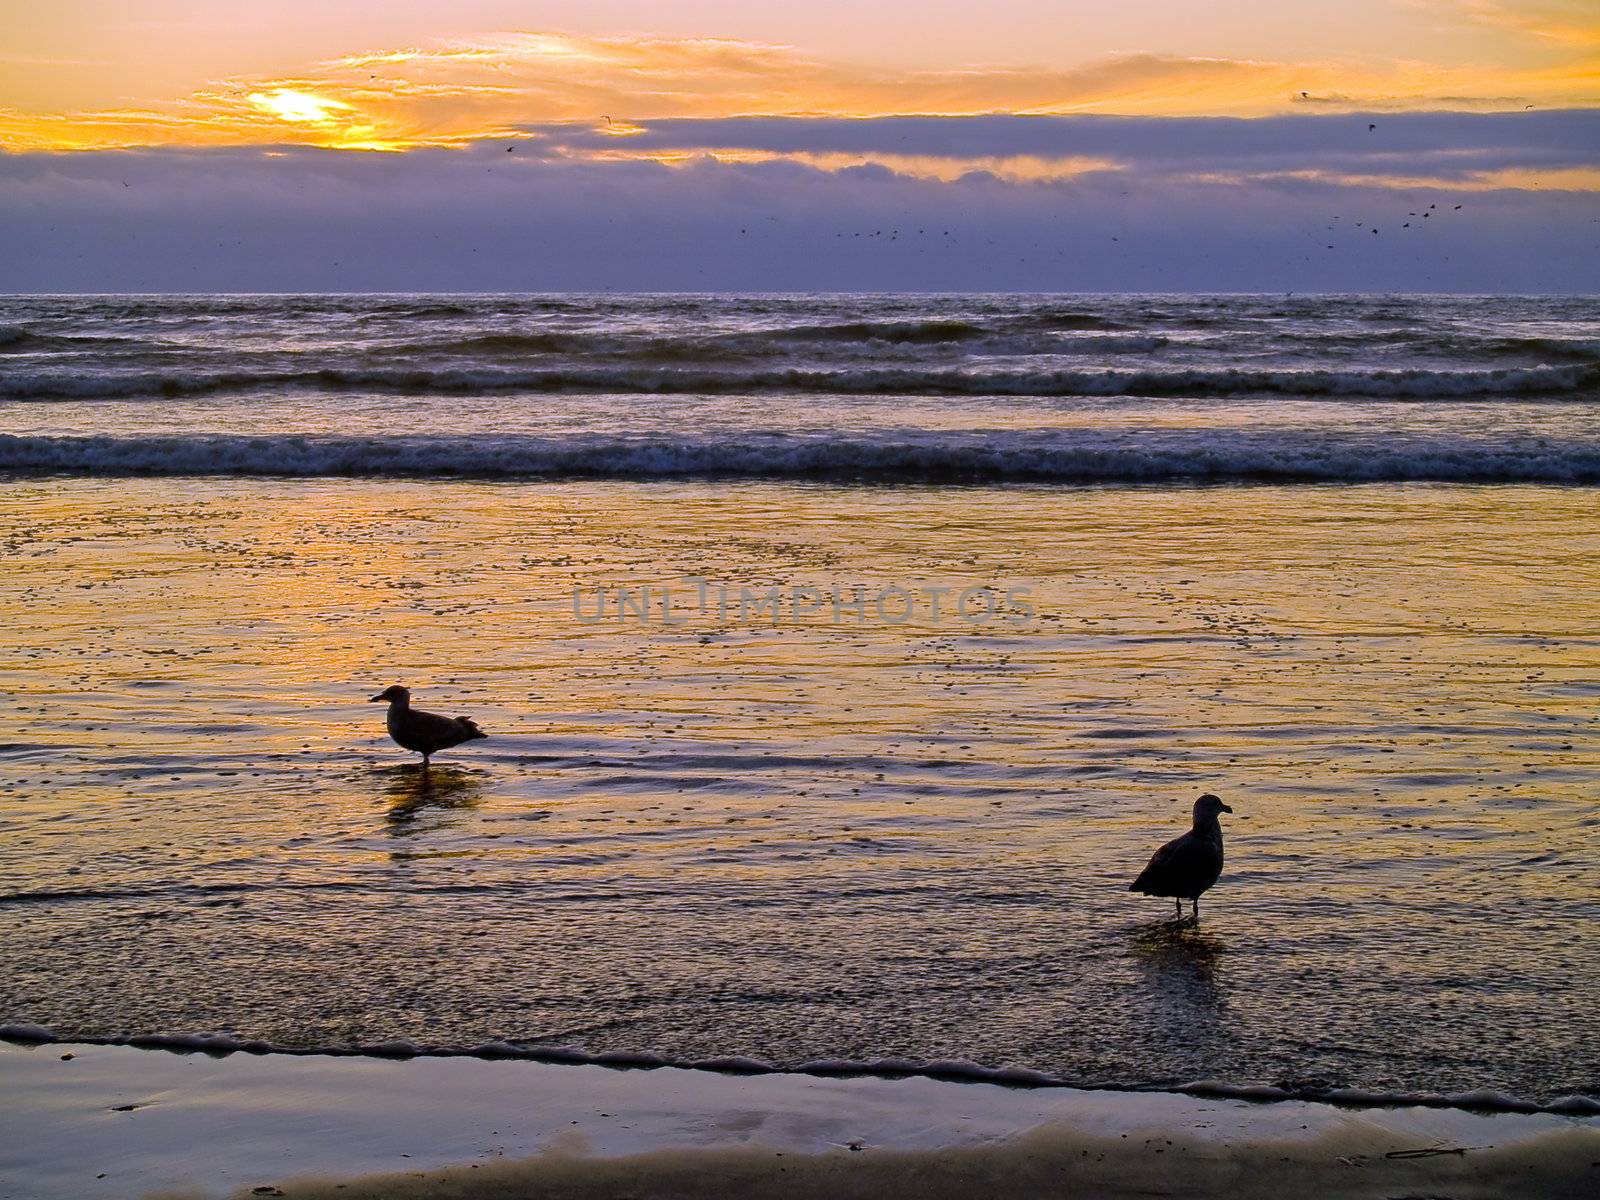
pixel 412 790
pixel 1179 962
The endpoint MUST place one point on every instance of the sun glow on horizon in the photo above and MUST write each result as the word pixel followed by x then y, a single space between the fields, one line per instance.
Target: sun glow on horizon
pixel 456 89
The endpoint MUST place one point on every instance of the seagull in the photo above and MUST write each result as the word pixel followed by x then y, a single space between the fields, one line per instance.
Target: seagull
pixel 1187 865
pixel 426 733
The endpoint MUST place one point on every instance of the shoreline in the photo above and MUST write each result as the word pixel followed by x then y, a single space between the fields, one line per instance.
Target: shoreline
pixel 118 1121
pixel 947 1070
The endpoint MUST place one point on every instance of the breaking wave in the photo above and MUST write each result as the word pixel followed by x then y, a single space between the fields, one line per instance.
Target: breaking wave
pixel 902 456
pixel 1573 380
pixel 18 339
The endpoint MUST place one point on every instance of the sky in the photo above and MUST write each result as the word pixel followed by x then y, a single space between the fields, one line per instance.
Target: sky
pixel 1015 145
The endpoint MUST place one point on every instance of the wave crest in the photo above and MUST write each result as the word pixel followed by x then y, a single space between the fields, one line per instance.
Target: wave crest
pixel 907 456
pixel 1575 380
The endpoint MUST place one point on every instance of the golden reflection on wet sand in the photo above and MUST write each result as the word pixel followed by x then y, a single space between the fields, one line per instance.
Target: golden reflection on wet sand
pixel 718 821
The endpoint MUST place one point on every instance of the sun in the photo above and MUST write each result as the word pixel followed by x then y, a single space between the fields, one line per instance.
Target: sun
pixel 297 107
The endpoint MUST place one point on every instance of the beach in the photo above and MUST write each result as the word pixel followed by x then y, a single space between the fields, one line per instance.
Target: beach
pixel 837 685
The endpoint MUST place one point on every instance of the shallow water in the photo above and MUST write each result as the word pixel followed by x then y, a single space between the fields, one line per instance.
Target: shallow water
pixel 812 838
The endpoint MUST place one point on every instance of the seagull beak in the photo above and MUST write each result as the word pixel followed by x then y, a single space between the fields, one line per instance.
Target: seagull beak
pixel 375 699
pixel 1226 809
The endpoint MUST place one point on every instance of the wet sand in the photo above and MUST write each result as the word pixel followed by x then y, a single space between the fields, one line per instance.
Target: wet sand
pixel 817 839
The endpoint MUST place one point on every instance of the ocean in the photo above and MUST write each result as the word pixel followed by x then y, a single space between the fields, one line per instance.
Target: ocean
pixel 861 388
pixel 843 657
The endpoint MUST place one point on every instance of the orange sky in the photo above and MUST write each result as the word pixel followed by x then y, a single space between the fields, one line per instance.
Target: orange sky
pixel 91 74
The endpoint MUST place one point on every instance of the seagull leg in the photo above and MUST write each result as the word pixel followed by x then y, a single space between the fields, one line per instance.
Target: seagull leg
pixel 425 762
pixel 1177 904
pixel 1196 903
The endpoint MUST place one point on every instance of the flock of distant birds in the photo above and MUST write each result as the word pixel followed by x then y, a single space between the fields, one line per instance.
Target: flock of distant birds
pixel 1425 214
pixel 1183 869
pixel 894 234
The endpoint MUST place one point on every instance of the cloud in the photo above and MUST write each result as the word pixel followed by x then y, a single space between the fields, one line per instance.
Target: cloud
pixel 1421 142
pixel 1155 204
pixel 454 93
pixel 1446 149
